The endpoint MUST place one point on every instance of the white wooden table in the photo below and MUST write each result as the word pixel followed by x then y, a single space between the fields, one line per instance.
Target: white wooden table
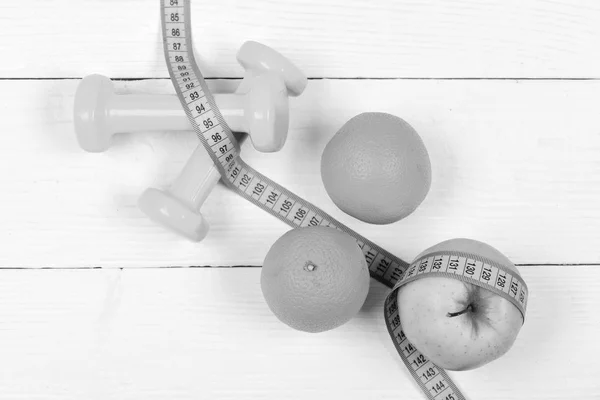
pixel 96 302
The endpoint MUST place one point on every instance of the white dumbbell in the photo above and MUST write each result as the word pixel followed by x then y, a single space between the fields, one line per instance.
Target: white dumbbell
pixel 99 113
pixel 178 208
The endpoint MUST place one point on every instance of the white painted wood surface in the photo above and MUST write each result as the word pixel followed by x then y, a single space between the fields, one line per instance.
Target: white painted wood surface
pixel 516 163
pixel 333 38
pixel 207 333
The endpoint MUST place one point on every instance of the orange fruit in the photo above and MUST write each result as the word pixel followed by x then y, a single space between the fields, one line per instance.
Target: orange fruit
pixel 315 279
pixel 376 168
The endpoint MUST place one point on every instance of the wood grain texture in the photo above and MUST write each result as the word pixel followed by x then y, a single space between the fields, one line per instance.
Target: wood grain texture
pixel 515 164
pixel 207 333
pixel 333 38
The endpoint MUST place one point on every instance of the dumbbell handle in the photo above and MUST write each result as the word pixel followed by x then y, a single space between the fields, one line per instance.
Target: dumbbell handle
pixel 195 191
pixel 136 113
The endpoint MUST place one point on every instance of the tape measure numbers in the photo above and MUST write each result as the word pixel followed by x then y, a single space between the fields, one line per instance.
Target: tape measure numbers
pixel 224 149
pixel 468 268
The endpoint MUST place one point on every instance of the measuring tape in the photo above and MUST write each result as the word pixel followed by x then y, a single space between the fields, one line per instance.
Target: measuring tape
pixel 224 149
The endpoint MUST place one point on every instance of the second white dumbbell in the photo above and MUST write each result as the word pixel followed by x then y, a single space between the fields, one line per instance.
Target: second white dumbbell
pixel 178 208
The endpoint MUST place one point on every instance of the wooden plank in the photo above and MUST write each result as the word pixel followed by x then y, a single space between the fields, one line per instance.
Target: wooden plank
pixel 207 333
pixel 515 164
pixel 333 38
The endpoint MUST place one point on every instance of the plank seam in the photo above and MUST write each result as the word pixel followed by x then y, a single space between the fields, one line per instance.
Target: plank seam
pixel 242 266
pixel 341 78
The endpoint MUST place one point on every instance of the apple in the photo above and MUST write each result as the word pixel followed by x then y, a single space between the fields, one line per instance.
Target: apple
pixel 457 325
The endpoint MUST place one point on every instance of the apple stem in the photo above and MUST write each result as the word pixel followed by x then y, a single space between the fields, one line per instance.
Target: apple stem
pixel 310 266
pixel 456 314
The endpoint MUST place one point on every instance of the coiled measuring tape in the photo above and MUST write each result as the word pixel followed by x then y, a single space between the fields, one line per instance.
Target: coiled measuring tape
pixel 224 149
